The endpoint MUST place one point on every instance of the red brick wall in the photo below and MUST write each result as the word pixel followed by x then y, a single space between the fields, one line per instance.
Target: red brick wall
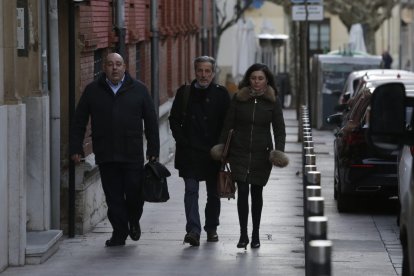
pixel 179 25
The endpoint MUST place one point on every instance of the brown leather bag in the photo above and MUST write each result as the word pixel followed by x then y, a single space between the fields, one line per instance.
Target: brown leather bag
pixel 226 188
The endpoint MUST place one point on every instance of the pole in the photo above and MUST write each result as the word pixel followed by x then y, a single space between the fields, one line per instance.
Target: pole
pixel 204 37
pixel 55 118
pixel 155 57
pixel 71 56
pixel 120 27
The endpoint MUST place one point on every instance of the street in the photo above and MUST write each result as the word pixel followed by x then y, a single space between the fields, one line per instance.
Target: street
pixel 364 243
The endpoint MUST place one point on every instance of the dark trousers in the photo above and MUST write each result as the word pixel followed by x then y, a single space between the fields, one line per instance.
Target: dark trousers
pixel 122 183
pixel 212 210
pixel 243 206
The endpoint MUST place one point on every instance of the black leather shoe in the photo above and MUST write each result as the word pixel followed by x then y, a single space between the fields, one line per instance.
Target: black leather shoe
pixel 135 232
pixel 255 244
pixel 243 242
pixel 212 236
pixel 255 241
pixel 192 238
pixel 114 242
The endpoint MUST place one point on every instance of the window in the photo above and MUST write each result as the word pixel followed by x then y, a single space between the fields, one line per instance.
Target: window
pixel 319 37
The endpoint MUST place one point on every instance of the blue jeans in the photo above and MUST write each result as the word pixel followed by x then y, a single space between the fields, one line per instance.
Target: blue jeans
pixel 212 210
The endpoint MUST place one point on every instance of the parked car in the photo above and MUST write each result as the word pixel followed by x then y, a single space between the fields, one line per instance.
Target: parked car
pixel 391 124
pixel 356 77
pixel 359 169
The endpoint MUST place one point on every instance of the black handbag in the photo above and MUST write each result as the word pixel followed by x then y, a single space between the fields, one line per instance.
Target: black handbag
pixel 155 188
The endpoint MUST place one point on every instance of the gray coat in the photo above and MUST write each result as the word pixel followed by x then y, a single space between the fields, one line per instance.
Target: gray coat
pixel 251 150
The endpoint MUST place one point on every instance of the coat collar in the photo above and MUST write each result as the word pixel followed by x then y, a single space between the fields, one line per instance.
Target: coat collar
pixel 244 94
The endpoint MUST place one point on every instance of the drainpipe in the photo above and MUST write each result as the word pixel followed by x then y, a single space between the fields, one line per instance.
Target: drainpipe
pixel 215 42
pixel 44 38
pixel 71 103
pixel 204 41
pixel 120 27
pixel 54 114
pixel 155 56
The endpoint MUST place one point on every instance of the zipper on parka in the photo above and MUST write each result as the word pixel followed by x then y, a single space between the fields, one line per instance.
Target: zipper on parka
pixel 251 136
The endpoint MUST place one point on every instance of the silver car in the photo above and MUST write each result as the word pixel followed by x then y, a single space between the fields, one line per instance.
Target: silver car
pixel 391 124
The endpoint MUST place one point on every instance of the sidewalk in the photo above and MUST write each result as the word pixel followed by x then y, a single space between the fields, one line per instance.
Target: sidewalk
pixel 161 251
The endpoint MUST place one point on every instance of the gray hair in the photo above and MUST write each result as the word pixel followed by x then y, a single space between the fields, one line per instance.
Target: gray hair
pixel 205 59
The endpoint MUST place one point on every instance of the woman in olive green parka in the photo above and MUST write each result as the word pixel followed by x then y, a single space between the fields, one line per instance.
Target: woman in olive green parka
pixel 255 112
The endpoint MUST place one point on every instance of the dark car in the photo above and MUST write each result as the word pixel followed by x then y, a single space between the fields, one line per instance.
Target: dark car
pixel 360 169
pixel 392 126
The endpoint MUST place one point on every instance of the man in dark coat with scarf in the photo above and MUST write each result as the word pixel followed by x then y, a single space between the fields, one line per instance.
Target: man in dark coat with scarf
pixel 196 120
pixel 117 105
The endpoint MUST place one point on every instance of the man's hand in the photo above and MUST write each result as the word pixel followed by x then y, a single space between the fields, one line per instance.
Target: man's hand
pixel 152 158
pixel 76 158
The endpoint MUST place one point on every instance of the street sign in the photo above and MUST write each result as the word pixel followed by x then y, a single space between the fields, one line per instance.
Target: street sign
pixel 320 2
pixel 315 12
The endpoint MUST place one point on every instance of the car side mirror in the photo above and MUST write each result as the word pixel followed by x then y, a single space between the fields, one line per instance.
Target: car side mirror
pixel 346 96
pixel 335 119
pixel 387 121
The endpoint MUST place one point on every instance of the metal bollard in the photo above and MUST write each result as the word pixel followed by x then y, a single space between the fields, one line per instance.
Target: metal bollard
pixel 307 138
pixel 314 206
pixel 317 228
pixel 320 258
pixel 305 133
pixel 308 144
pixel 310 159
pixel 313 191
pixel 309 168
pixel 313 178
pixel 308 150
pixel 307 129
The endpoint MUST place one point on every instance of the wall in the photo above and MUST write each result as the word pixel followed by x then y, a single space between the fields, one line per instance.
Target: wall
pixel 38 163
pixel 179 27
pixel 4 203
pixel 16 167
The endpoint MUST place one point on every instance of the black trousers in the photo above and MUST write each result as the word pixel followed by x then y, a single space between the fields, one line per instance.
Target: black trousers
pixel 243 206
pixel 122 184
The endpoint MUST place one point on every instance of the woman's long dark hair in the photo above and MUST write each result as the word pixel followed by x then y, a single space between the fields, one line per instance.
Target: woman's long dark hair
pixel 245 82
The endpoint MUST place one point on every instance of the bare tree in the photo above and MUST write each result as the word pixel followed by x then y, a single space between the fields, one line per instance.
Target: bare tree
pixel 225 21
pixel 369 13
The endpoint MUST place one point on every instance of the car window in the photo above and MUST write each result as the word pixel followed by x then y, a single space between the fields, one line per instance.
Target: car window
pixel 360 105
pixel 355 84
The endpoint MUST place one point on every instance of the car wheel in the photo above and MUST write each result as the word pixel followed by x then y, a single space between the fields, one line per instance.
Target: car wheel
pixel 405 262
pixel 343 203
pixel 336 175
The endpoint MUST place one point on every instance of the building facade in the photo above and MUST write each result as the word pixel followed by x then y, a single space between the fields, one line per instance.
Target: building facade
pixel 47 56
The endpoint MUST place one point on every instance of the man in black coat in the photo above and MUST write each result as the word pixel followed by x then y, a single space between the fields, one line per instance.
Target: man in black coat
pixel 117 105
pixel 196 119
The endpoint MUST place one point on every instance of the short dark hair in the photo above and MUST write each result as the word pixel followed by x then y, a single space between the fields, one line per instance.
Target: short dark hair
pixel 245 82
pixel 205 59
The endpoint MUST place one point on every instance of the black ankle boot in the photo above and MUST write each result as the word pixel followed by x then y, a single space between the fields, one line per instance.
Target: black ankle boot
pixel 255 240
pixel 243 241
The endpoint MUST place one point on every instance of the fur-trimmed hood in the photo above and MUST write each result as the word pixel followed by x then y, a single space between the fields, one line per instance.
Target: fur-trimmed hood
pixel 244 94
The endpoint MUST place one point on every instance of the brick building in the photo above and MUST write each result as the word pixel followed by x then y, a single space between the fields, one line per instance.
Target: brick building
pixel 51 52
